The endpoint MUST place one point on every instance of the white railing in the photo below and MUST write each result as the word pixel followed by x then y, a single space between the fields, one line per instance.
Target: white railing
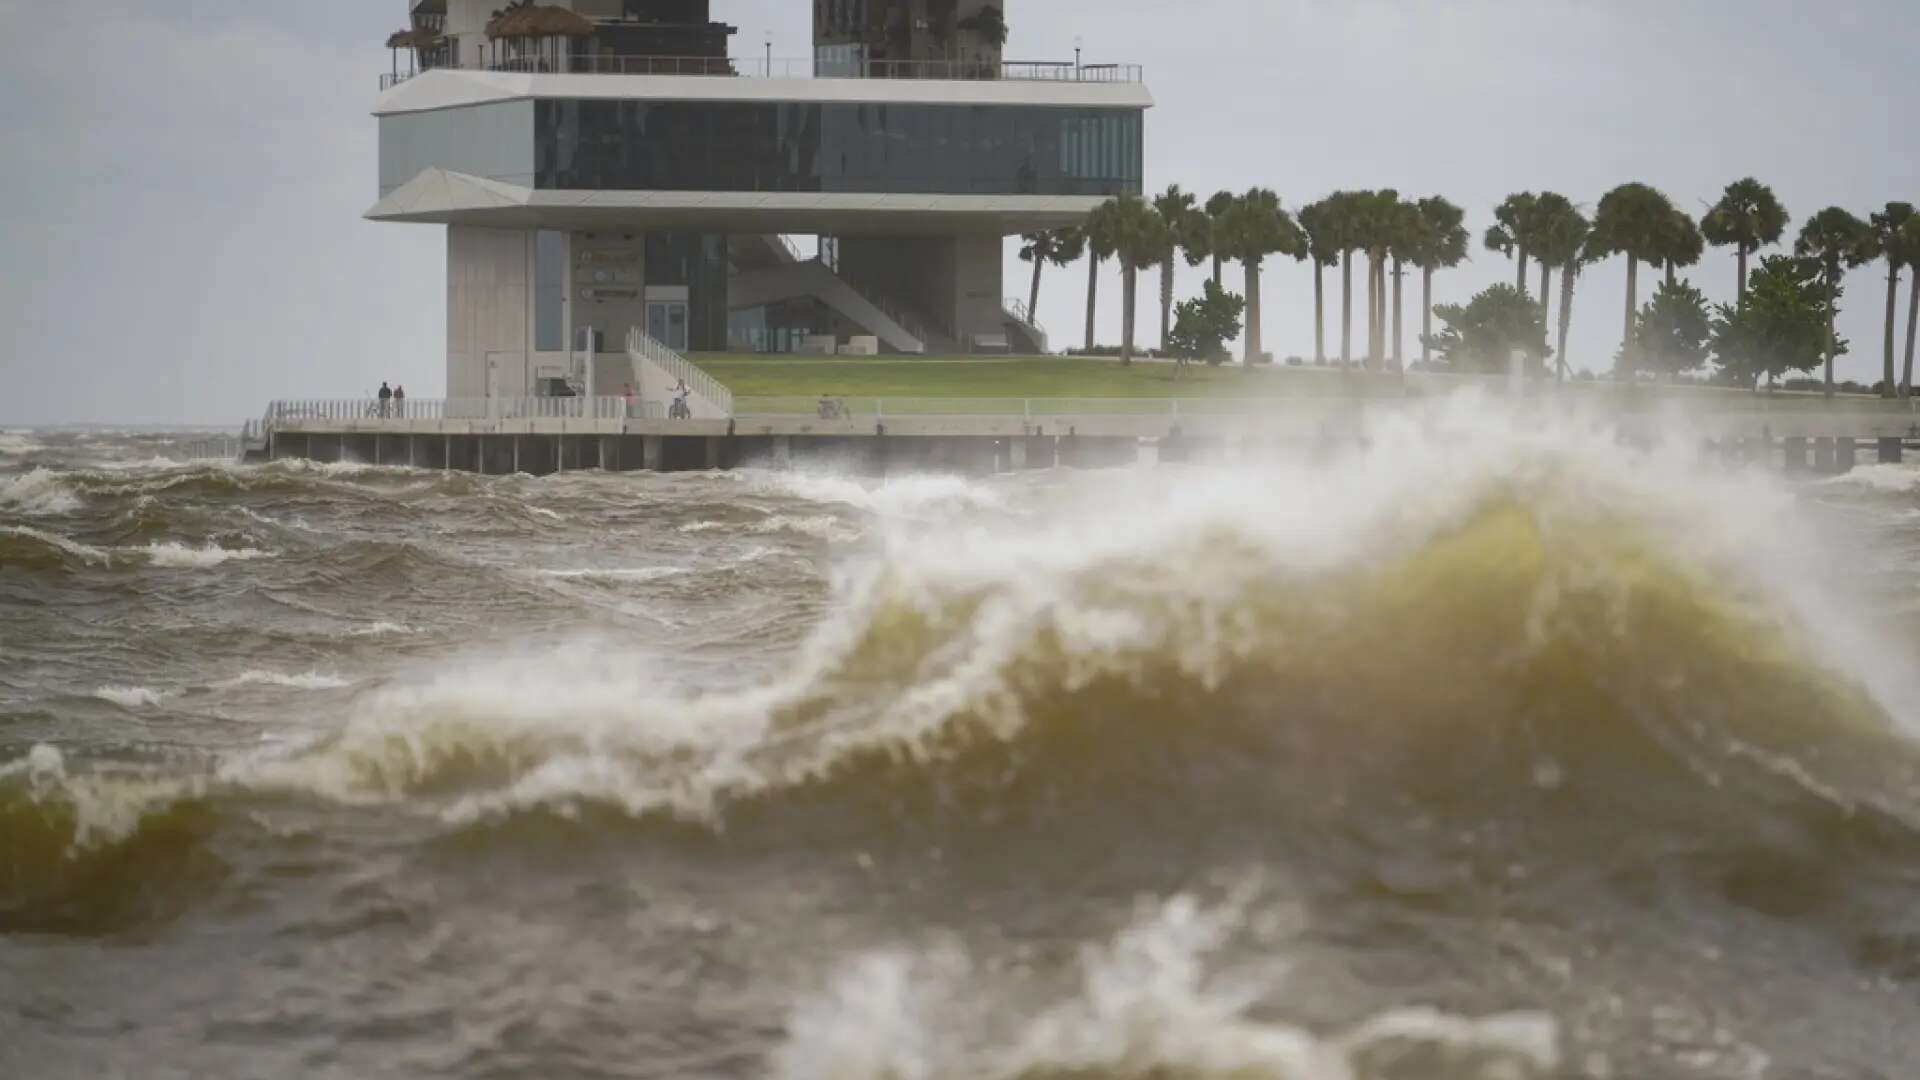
pixel 870 408
pixel 1017 308
pixel 364 410
pixel 705 386
pixel 217 448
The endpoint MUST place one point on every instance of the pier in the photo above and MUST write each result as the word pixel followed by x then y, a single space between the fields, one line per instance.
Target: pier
pixel 542 436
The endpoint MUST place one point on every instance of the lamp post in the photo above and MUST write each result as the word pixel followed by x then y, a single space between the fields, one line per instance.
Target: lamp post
pixel 768 38
pixel 1077 42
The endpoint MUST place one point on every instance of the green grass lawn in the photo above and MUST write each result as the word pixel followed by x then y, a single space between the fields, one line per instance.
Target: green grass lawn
pixel 983 377
pixel 999 385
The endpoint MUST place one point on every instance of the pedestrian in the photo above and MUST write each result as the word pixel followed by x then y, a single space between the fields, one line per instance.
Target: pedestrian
pixel 386 399
pixel 400 402
pixel 681 410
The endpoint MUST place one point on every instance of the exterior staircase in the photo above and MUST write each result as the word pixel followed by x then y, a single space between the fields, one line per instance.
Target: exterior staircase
pixel 812 279
pixel 658 369
pixel 1025 334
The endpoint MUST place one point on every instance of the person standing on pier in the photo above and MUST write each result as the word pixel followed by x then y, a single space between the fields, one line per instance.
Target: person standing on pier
pixel 400 402
pixel 386 399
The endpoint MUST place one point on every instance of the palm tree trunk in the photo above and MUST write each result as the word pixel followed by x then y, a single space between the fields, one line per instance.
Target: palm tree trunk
pixel 1626 339
pixel 1546 281
pixel 1216 269
pixel 1346 308
pixel 1380 312
pixel 1319 315
pixel 1913 316
pixel 1399 358
pixel 1093 295
pixel 1566 317
pixel 1033 294
pixel 1670 273
pixel 1129 277
pixel 1740 287
pixel 1253 310
pixel 1426 314
pixel 1520 282
pixel 1833 313
pixel 1373 311
pixel 1893 295
pixel 1166 299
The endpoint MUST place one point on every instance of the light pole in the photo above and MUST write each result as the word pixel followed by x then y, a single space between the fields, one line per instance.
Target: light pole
pixel 768 37
pixel 1077 42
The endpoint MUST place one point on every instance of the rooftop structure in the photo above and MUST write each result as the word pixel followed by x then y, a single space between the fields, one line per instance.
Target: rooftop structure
pixel 591 192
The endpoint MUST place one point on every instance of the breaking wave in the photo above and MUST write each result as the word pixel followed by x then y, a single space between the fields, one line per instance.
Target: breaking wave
pixel 38 491
pixel 1492 627
pixel 1150 1003
pixel 181 556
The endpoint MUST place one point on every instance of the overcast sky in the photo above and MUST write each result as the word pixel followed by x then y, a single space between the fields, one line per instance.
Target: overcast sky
pixel 181 241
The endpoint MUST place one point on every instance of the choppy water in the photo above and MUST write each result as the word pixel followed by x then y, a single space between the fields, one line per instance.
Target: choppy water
pixel 1493 750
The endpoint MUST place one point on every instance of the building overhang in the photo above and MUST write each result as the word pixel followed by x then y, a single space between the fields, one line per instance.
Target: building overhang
pixel 449 88
pixel 440 197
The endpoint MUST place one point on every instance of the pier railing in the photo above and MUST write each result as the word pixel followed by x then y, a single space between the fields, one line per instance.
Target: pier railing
pixel 363 410
pixel 705 386
pixel 879 408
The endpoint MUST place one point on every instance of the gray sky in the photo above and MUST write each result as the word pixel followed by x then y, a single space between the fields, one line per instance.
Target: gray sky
pixel 180 233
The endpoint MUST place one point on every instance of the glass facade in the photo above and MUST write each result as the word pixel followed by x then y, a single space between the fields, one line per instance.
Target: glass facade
pixel 549 289
pixel 492 141
pixel 863 148
pixel 773 147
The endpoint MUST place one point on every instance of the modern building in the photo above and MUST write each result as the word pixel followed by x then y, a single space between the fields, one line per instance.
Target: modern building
pixel 602 166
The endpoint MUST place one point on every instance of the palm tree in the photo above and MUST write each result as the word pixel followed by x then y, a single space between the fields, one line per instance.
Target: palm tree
pixel 1509 236
pixel 1632 220
pixel 1099 249
pixel 1548 208
pixel 1840 242
pixel 1683 246
pixel 1443 246
pixel 1056 246
pixel 1318 221
pixel 1217 208
pixel 1889 228
pixel 1342 214
pixel 1373 221
pixel 1559 240
pixel 1910 247
pixel 1406 239
pixel 1748 217
pixel 1255 227
pixel 1139 238
pixel 1177 209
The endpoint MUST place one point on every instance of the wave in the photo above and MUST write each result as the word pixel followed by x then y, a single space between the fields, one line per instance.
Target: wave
pixel 38 492
pixel 131 697
pixel 820 527
pixel 637 573
pixel 902 496
pixel 175 555
pixel 18 444
pixel 1471 622
pixel 1148 1004
pixel 312 680
pixel 1889 478
pixel 21 545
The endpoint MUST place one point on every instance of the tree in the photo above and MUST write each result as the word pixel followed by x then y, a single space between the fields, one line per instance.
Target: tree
pixel 1343 210
pixel 1840 242
pixel 1256 226
pixel 1319 222
pixel 1483 335
pixel 1509 236
pixel 1683 245
pixel 1371 218
pixel 1673 330
pixel 1747 217
pixel 1178 210
pixel 1202 327
pixel 1443 246
pixel 1781 327
pixel 1636 221
pixel 1217 208
pixel 1099 250
pixel 1406 239
pixel 1910 243
pixel 989 22
pixel 1560 239
pixel 1138 236
pixel 1889 235
pixel 1056 246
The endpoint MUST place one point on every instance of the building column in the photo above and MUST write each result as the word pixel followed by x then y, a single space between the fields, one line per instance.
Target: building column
pixel 1890 449
pixel 1795 447
pixel 783 450
pixel 1846 454
pixel 653 453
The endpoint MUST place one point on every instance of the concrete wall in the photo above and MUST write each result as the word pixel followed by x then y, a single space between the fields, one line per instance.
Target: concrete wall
pixel 489 310
pixel 606 263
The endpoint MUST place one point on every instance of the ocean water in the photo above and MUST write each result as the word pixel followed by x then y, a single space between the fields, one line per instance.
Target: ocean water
pixel 1491 749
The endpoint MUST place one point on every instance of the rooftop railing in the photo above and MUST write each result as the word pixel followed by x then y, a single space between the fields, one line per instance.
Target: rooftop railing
pixel 743 67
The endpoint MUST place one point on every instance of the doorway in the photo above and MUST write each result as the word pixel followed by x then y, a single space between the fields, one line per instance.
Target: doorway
pixel 667 323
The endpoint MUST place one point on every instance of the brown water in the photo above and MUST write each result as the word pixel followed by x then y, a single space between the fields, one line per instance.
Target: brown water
pixel 1493 750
